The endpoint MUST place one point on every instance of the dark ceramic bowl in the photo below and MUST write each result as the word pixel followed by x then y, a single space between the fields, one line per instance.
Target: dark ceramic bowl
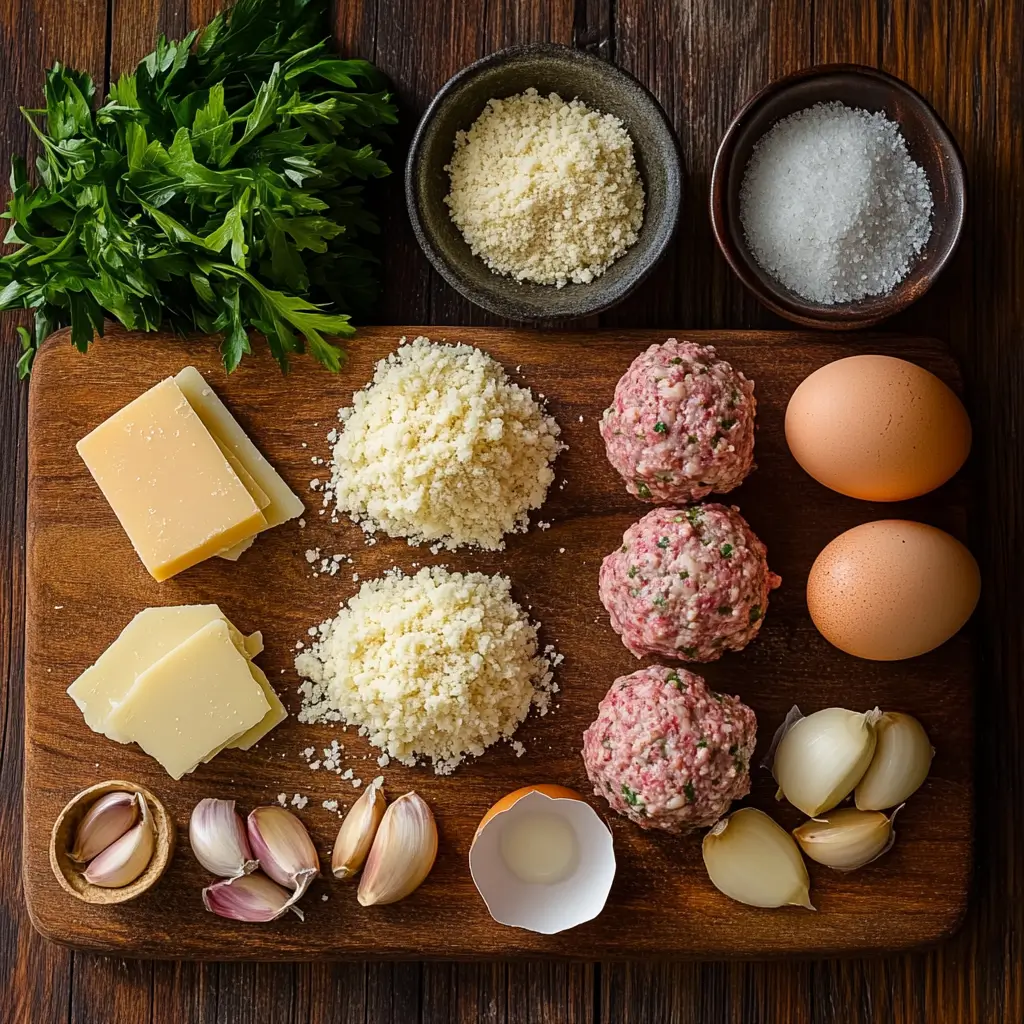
pixel 928 141
pixel 570 73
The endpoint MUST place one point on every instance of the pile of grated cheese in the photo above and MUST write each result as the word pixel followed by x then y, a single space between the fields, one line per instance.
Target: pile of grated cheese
pixel 435 666
pixel 443 449
pixel 544 190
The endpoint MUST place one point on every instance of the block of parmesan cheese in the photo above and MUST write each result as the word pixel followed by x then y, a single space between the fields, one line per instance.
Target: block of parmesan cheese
pixel 153 633
pixel 196 698
pixel 168 482
pixel 284 504
pixel 273 718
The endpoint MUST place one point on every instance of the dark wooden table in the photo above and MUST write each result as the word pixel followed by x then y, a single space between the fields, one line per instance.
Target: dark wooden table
pixel 701 58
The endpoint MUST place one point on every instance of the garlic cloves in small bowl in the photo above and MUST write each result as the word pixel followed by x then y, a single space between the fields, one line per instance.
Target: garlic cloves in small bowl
pixel 131 862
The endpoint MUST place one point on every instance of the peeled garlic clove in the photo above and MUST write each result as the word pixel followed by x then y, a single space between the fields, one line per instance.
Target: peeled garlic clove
pixel 902 760
pixel 283 848
pixel 104 823
pixel 402 853
pixel 216 833
pixel 846 839
pixel 126 858
pixel 355 837
pixel 251 897
pixel 755 861
pixel 823 756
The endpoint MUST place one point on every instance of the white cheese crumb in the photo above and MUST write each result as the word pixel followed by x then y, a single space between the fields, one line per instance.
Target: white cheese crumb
pixel 299 801
pixel 282 799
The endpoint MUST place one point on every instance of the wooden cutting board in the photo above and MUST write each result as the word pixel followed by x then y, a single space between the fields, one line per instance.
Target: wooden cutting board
pixel 85 584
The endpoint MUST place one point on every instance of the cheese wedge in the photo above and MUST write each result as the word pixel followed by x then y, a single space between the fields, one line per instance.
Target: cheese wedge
pixel 153 633
pixel 196 698
pixel 284 503
pixel 273 718
pixel 170 486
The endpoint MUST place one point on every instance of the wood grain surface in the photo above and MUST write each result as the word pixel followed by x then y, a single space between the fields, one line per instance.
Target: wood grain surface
pixel 85 583
pixel 702 61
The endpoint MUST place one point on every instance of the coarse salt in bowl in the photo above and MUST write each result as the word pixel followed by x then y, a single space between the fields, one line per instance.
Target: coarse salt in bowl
pixel 928 145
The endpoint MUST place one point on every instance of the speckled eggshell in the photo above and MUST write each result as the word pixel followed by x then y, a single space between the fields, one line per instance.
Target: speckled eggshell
pixel 877 428
pixel 892 589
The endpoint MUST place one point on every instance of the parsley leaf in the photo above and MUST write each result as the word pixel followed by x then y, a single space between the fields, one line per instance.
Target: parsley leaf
pixel 219 188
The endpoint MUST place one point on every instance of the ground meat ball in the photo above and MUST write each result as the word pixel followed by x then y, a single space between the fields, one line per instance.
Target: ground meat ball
pixel 667 752
pixel 681 424
pixel 687 583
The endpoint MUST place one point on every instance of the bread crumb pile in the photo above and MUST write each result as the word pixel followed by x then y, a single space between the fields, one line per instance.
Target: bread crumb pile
pixel 546 191
pixel 833 206
pixel 442 448
pixel 435 666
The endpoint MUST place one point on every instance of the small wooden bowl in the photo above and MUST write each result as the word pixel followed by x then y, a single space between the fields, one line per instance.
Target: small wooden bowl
pixel 928 141
pixel 70 875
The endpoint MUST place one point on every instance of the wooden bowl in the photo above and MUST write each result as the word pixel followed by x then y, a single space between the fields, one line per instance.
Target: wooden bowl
pixel 571 73
pixel 70 875
pixel 928 141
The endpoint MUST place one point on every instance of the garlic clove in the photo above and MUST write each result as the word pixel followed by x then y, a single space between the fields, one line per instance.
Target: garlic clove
pixel 901 762
pixel 104 823
pixel 402 853
pixel 126 858
pixel 355 837
pixel 822 757
pixel 217 835
pixel 846 839
pixel 252 897
pixel 283 848
pixel 755 861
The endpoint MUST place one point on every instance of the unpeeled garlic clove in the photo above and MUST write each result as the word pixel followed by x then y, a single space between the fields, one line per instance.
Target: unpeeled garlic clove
pixel 402 853
pixel 755 861
pixel 902 760
pixel 217 835
pixel 126 858
pixel 283 848
pixel 821 758
pixel 104 823
pixel 355 837
pixel 252 897
pixel 847 839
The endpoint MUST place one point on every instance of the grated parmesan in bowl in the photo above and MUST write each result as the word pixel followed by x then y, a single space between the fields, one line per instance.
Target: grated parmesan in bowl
pixel 545 190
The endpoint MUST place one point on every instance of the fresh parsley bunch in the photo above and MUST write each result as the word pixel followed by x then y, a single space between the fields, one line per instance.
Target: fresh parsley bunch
pixel 217 189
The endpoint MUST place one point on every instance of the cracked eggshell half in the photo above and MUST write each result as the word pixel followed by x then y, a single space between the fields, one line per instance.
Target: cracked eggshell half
pixel 515 831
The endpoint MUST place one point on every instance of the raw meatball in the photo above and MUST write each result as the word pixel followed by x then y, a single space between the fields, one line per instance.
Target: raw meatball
pixel 687 583
pixel 667 752
pixel 681 424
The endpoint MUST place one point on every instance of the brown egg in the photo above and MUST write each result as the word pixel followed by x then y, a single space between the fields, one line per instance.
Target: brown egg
pixel 877 428
pixel 892 589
